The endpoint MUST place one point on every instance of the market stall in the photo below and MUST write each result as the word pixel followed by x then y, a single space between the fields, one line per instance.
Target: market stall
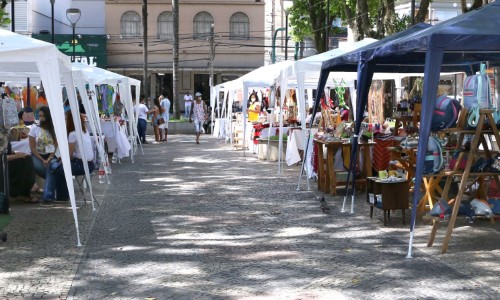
pixel 459 44
pixel 20 54
pixel 85 74
pixel 261 78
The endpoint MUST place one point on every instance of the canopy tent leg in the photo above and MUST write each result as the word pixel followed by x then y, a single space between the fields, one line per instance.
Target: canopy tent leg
pixel 433 61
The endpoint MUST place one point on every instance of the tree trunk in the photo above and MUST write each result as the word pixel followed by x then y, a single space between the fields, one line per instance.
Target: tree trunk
pixel 475 5
pixel 380 21
pixel 317 16
pixel 362 12
pixel 389 17
pixel 351 21
pixel 175 65
pixel 145 80
pixel 422 11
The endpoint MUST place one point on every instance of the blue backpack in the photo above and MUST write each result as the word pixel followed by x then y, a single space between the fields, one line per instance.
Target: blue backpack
pixel 477 90
pixel 445 113
pixel 434 160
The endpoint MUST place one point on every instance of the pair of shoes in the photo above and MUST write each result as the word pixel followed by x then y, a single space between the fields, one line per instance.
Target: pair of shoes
pixel 197 142
pixel 47 203
pixel 145 142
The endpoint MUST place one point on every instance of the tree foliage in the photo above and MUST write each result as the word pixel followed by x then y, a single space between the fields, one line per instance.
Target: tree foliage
pixel 4 20
pixel 366 18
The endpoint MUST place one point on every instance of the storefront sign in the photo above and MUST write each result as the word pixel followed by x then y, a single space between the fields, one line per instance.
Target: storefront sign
pixel 89 49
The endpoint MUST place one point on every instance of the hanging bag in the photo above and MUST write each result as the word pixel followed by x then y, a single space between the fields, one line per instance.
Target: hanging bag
pixel 434 160
pixel 445 114
pixel 477 91
pixel 10 117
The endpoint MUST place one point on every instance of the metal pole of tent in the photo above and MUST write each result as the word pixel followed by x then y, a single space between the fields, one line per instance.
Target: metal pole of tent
pixel 273 98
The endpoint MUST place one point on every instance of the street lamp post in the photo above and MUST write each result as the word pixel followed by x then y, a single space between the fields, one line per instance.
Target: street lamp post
pixel 273 47
pixel 52 19
pixel 73 15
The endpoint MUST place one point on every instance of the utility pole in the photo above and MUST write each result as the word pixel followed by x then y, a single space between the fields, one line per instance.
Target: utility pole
pixel 175 63
pixel 52 2
pixel 12 16
pixel 286 34
pixel 211 62
pixel 327 26
pixel 211 59
pixel 145 80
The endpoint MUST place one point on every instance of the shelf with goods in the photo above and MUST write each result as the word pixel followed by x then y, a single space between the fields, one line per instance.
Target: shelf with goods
pixel 237 131
pixel 467 177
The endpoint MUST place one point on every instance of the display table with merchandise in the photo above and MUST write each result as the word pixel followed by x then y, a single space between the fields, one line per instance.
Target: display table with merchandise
pixel 329 177
pixel 116 138
pixel 387 194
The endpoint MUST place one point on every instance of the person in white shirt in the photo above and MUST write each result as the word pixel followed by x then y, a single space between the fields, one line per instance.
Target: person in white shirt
pixel 188 101
pixel 75 156
pixel 142 111
pixel 165 113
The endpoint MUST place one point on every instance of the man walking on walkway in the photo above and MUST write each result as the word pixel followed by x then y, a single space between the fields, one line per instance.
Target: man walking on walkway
pixel 142 112
pixel 165 113
pixel 188 101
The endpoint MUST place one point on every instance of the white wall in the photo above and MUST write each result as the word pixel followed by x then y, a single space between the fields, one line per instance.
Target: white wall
pixel 92 20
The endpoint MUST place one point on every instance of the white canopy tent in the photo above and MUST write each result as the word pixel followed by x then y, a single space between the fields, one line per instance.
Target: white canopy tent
pixel 263 77
pixel 84 74
pixel 21 54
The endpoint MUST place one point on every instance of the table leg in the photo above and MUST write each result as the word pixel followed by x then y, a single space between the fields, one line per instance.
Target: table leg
pixel 321 167
pixel 367 160
pixel 332 177
pixel 435 227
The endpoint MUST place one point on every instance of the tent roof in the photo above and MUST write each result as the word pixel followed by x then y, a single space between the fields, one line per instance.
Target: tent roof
pixel 99 76
pixel 312 64
pixel 19 53
pixel 465 42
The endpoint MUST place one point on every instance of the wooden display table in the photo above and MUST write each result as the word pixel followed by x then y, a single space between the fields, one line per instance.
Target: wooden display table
pixel 394 196
pixel 327 177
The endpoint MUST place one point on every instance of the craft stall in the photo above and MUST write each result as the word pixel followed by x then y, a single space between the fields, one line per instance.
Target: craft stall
pixel 454 156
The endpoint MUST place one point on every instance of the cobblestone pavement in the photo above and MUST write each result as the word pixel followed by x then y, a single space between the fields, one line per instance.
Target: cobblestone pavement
pixel 191 221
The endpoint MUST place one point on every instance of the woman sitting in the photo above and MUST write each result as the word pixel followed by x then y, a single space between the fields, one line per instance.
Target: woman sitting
pixel 43 144
pixel 75 155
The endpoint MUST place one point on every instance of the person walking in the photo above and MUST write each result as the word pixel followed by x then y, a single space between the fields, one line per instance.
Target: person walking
pixel 198 114
pixel 188 102
pixel 142 112
pixel 165 114
pixel 156 119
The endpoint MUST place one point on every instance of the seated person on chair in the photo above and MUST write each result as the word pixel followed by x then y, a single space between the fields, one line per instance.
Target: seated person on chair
pixel 75 151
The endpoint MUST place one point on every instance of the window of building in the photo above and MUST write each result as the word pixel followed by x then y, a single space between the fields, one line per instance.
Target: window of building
pixel 202 23
pixel 239 26
pixel 165 26
pixel 131 26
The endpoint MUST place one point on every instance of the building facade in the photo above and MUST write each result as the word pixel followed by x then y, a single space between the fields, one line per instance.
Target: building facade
pixel 238 29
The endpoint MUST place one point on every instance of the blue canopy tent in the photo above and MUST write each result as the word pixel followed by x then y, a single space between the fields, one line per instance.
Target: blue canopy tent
pixel 459 44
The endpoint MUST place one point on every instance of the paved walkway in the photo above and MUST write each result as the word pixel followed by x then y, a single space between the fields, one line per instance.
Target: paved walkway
pixel 191 221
